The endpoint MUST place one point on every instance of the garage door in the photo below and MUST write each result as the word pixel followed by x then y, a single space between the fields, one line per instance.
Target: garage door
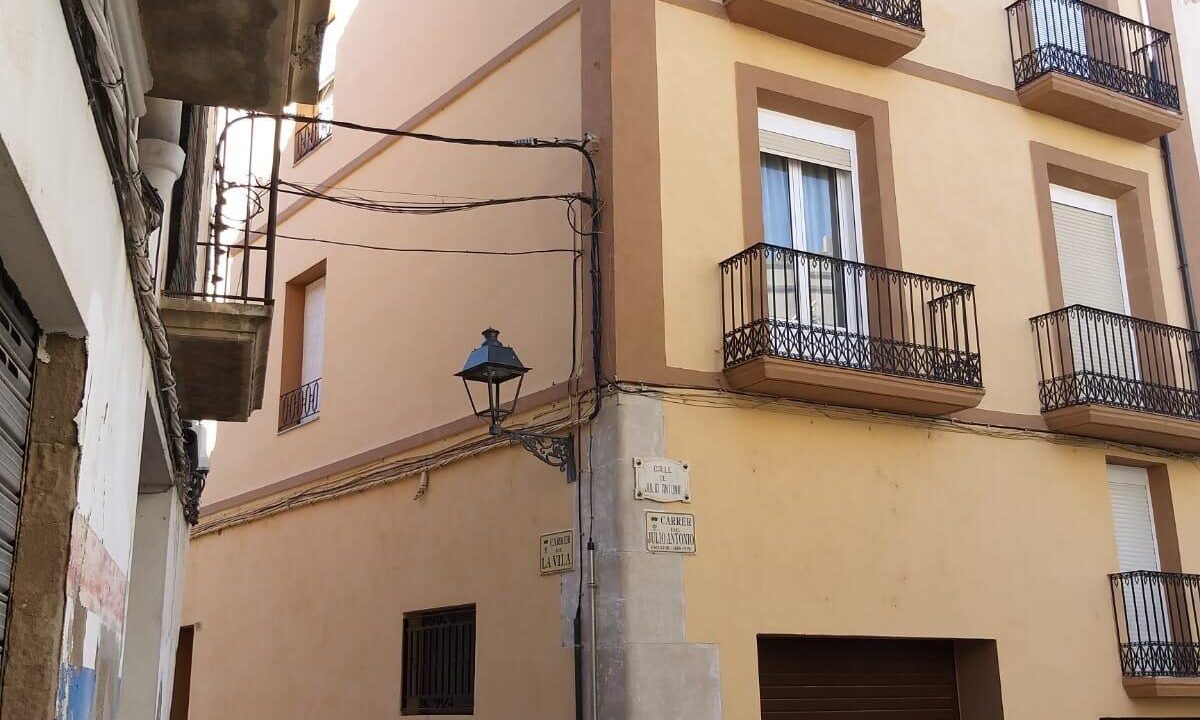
pixel 17 333
pixel 853 679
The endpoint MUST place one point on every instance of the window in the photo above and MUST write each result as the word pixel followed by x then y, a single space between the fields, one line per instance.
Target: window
pixel 810 204
pixel 1090 258
pixel 808 184
pixel 303 349
pixel 439 662
pixel 310 135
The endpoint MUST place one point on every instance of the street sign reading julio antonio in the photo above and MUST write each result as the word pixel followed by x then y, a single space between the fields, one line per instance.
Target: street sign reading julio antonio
pixel 670 532
pixel 661 480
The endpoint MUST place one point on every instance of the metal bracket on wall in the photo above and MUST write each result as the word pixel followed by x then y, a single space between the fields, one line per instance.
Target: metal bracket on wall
pixel 554 450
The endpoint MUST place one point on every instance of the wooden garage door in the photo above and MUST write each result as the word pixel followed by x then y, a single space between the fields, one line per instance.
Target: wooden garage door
pixel 851 679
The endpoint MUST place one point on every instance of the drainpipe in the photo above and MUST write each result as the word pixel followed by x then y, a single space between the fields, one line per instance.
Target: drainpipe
pixel 1164 143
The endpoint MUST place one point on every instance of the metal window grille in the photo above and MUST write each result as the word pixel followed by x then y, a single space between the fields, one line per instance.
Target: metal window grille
pixel 785 303
pixel 1158 623
pixel 1095 357
pixel 299 405
pixel 439 662
pixel 1094 45
pixel 905 12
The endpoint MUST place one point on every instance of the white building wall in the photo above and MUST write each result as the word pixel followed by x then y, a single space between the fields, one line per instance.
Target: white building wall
pixel 63 244
pixel 1187 35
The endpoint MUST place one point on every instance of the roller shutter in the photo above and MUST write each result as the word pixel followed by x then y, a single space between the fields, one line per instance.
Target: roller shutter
pixel 17 337
pixel 855 679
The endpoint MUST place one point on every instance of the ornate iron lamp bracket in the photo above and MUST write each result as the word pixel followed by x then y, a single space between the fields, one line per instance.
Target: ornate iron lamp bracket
pixel 554 450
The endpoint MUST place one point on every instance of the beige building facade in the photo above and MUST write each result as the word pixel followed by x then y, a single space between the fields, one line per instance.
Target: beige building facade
pixel 895 286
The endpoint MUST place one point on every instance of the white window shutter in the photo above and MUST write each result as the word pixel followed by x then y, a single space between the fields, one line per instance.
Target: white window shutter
pixel 1133 519
pixel 806 150
pixel 1089 258
pixel 313 348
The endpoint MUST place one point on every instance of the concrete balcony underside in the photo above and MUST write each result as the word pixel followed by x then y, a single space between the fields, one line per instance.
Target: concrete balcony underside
pixel 816 382
pixel 219 354
pixel 250 54
pixel 1162 687
pixel 824 25
pixel 1134 427
pixel 1097 107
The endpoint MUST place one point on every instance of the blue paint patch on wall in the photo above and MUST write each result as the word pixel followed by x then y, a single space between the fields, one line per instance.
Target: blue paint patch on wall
pixel 76 692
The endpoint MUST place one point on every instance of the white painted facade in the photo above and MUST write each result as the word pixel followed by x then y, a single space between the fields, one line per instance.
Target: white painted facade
pixel 63 245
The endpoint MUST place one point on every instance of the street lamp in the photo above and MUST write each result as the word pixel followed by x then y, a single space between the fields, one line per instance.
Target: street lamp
pixel 492 365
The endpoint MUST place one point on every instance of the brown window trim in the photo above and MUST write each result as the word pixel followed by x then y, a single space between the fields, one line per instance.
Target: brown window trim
pixel 292 338
pixel 866 116
pixel 1131 189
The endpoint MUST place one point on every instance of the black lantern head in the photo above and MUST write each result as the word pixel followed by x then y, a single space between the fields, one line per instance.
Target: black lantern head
pixel 493 364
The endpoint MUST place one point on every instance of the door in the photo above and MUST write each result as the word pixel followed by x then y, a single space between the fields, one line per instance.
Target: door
pixel 810 204
pixel 1137 549
pixel 1092 268
pixel 857 679
pixel 17 342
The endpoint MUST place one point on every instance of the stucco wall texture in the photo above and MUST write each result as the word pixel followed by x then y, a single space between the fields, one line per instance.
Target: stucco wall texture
pixel 808 522
pixel 300 616
pixel 399 325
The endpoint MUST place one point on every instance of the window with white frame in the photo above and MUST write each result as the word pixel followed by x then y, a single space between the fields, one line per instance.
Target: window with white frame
pixel 809 175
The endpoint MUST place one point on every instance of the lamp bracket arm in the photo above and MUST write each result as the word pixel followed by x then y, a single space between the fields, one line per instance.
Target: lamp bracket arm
pixel 554 450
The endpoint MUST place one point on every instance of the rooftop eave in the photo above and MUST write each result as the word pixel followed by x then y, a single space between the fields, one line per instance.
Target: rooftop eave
pixel 249 54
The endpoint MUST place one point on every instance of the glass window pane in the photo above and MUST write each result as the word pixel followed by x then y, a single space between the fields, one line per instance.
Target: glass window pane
pixel 820 210
pixel 777 205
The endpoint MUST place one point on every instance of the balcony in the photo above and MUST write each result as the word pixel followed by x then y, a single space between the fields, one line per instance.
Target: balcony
pixel 875 31
pixel 215 280
pixel 300 406
pixel 253 54
pixel 1118 378
pixel 1093 67
pixel 309 137
pixel 1157 617
pixel 820 329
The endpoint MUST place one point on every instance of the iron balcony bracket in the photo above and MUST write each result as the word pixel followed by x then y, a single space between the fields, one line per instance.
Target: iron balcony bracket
pixel 554 450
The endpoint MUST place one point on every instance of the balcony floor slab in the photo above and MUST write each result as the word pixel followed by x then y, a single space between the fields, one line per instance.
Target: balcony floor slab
pixel 1126 426
pixel 850 387
pixel 219 354
pixel 1162 687
pixel 822 24
pixel 1099 108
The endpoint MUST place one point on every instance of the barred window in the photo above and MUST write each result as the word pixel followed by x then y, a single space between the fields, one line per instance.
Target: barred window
pixel 439 662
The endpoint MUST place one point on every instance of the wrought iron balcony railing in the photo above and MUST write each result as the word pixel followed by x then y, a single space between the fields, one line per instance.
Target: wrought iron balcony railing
pixel 784 303
pixel 1094 357
pixel 904 12
pixel 231 259
pixel 308 137
pixel 300 405
pixel 1157 616
pixel 1095 45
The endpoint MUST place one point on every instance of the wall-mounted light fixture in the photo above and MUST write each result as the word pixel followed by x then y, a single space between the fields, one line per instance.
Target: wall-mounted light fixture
pixel 492 367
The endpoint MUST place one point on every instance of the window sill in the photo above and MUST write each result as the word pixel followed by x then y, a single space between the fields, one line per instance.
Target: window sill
pixel 306 421
pixel 1162 687
pixel 300 158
